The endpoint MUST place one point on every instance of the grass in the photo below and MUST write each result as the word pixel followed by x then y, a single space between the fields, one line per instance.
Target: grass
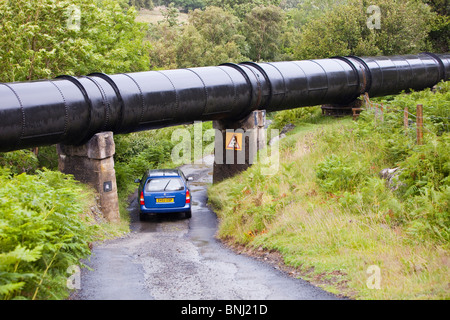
pixel 337 249
pixel 331 246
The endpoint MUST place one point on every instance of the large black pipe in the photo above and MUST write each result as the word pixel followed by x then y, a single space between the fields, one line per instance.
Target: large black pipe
pixel 70 110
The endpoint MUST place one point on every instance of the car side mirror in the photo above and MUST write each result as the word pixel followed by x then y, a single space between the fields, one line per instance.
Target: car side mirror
pixel 190 179
pixel 137 181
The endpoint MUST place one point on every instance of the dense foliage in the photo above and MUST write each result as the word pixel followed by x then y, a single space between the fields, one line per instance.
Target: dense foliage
pixel 44 229
pixel 107 39
pixel 404 28
pixel 68 37
pixel 265 30
pixel 209 39
pixel 418 196
pixel 137 152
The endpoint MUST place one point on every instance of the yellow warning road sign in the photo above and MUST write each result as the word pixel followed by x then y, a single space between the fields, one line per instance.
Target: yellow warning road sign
pixel 233 141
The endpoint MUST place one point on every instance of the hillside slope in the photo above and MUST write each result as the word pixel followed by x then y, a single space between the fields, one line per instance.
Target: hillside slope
pixel 335 222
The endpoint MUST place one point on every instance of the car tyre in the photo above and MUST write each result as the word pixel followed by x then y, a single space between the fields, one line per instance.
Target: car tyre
pixel 188 214
pixel 141 216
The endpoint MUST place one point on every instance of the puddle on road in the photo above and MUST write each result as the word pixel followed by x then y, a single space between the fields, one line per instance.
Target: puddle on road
pixel 202 245
pixel 159 223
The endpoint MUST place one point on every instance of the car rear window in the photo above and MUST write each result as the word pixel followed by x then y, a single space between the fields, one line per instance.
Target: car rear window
pixel 164 184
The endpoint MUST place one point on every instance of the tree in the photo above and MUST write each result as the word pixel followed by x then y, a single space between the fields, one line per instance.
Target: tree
pixel 171 14
pixel 442 7
pixel 188 5
pixel 440 29
pixel 216 25
pixel 307 10
pixel 405 26
pixel 263 28
pixel 241 7
pixel 343 31
pixel 210 38
pixel 44 38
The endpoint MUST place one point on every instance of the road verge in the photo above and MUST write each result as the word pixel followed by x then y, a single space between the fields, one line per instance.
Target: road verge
pixel 289 220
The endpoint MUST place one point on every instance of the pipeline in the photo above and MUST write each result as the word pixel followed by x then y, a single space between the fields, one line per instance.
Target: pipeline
pixel 70 110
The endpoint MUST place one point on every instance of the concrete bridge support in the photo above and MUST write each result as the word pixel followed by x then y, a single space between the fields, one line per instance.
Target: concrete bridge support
pixel 93 163
pixel 237 143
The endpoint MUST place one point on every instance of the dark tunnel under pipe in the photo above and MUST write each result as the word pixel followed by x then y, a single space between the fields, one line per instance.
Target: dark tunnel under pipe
pixel 71 110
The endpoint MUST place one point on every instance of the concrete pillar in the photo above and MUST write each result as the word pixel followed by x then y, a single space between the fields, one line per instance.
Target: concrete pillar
pixel 93 164
pixel 236 144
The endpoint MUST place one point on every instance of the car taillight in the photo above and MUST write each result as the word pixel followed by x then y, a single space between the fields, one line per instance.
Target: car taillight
pixel 188 197
pixel 141 198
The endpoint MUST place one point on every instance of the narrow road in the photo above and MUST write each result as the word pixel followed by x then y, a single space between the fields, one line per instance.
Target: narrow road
pixel 172 258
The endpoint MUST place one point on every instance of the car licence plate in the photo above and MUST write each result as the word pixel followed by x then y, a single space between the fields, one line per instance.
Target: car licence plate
pixel 164 200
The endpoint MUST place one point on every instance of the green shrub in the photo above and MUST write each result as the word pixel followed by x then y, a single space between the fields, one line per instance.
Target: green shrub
pixel 44 229
pixel 428 216
pixel 48 157
pixel 19 161
pixel 421 201
pixel 282 118
pixel 428 167
pixel 336 174
pixel 137 152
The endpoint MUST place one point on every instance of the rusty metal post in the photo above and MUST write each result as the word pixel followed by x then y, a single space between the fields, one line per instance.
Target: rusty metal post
pixel 419 119
pixel 368 102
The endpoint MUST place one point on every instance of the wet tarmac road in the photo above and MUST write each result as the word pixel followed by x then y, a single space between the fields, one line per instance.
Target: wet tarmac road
pixel 172 258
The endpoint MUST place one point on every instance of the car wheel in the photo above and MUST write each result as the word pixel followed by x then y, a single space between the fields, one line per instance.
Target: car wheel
pixel 188 214
pixel 141 216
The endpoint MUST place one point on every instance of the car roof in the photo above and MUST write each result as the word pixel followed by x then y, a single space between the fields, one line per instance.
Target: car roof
pixel 164 173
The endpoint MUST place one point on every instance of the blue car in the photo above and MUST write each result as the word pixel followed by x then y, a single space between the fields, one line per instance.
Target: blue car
pixel 164 191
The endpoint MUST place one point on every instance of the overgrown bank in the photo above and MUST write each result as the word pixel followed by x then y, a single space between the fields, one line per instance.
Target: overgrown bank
pixel 48 222
pixel 328 213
